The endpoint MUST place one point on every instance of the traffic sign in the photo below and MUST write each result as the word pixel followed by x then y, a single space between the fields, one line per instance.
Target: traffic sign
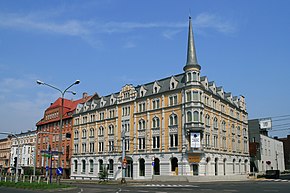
pixel 46 168
pixel 153 164
pixel 59 171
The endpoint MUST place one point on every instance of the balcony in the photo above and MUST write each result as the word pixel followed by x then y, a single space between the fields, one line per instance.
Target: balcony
pixel 194 126
pixel 199 150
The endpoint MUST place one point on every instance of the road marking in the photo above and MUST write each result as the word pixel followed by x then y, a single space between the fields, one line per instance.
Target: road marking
pixel 230 190
pixel 271 191
pixel 81 191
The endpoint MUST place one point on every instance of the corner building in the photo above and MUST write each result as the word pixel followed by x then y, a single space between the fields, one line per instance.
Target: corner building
pixel 179 125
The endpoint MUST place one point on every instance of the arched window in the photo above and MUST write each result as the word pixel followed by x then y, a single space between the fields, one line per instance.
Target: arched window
pixel 155 122
pixel 142 124
pixel 194 76
pixel 111 166
pixel 75 165
pixel 101 165
pixel 83 166
pixel 188 77
pixel 101 131
pixel 195 95
pixel 111 129
pixel 207 120
pixel 84 133
pixel 215 123
pixel 201 117
pixel 195 116
pixel 224 126
pixel 173 120
pixel 141 167
pixel 92 132
pixel 189 116
pixel 91 166
pixel 76 134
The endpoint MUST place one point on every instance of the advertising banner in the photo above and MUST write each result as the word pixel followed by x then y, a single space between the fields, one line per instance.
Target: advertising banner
pixel 195 140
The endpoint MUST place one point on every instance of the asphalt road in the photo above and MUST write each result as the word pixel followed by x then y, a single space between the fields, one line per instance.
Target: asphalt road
pixel 216 187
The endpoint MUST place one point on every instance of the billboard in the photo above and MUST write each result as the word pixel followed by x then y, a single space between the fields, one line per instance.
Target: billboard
pixel 265 123
pixel 195 140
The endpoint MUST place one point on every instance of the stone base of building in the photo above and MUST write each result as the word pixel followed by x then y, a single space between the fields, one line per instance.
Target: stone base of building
pixel 159 165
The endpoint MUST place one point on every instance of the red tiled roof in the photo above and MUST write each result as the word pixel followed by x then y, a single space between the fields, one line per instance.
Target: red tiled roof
pixel 68 106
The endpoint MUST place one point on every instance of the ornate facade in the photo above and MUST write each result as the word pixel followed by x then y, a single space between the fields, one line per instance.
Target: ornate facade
pixel 179 125
pixel 5 148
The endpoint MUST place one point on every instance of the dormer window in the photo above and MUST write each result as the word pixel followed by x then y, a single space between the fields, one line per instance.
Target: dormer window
pixel 172 85
pixel 126 95
pixel 155 89
pixel 141 93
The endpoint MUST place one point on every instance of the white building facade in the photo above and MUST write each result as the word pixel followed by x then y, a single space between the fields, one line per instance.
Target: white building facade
pixel 26 151
pixel 272 155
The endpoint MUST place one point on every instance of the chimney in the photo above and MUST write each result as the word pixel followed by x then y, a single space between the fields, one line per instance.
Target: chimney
pixel 85 95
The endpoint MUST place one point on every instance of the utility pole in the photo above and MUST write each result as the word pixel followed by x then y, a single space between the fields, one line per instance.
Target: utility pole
pixel 124 162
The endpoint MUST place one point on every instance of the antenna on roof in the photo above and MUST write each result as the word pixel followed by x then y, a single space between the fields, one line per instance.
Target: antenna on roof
pixel 189 13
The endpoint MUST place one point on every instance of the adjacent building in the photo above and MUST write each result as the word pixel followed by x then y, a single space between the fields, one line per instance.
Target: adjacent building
pixel 5 148
pixel 179 125
pixel 266 153
pixel 26 143
pixel 286 145
pixel 48 129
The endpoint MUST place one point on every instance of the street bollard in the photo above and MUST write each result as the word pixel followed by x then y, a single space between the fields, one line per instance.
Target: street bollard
pixel 39 177
pixel 31 179
pixel 5 179
pixel 23 179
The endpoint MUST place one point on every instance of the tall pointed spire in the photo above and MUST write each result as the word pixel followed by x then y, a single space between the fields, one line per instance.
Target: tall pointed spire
pixel 191 54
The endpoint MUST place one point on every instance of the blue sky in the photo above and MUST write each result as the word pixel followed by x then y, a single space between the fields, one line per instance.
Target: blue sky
pixel 241 45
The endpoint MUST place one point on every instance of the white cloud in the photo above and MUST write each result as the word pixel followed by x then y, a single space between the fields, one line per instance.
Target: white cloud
pixel 206 20
pixel 170 33
pixel 129 45
pixel 87 30
pixel 10 84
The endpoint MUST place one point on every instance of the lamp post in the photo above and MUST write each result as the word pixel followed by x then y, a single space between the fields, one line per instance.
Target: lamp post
pixel 16 178
pixel 61 113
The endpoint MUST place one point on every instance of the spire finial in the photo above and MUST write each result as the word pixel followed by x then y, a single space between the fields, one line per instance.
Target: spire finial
pixel 191 54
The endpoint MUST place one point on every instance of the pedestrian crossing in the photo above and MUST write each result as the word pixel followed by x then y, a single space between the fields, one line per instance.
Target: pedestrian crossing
pixel 171 185
pixel 274 180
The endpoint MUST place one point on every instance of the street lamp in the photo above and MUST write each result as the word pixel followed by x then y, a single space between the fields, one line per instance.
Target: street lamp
pixel 16 178
pixel 61 113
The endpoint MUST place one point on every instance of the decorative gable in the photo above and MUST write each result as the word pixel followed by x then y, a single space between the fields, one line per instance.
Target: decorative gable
pixel 156 87
pixel 142 91
pixel 204 82
pixel 112 99
pixel 102 102
pixel 173 83
pixel 220 92
pixel 212 87
pixel 127 93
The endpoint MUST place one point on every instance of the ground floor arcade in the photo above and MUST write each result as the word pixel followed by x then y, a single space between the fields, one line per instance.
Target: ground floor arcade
pixel 144 166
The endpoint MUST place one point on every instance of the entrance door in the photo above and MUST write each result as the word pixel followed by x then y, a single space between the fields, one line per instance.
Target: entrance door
pixel 129 169
pixel 156 166
pixel 195 169
pixel 174 166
